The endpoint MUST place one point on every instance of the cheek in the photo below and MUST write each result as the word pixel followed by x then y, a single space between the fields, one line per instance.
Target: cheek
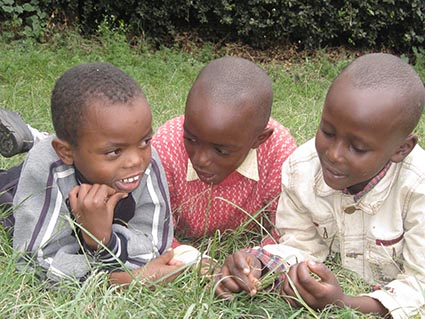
pixel 232 163
pixel 190 149
pixel 148 156
pixel 364 168
pixel 319 144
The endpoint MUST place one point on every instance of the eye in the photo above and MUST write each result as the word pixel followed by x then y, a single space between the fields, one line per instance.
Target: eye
pixel 357 149
pixel 327 133
pixel 113 153
pixel 221 151
pixel 189 139
pixel 146 142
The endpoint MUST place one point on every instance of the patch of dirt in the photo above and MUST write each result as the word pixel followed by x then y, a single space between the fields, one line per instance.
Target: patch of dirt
pixel 280 54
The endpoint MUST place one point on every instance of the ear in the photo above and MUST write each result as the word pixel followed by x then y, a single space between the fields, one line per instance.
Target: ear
pixel 405 148
pixel 264 136
pixel 64 150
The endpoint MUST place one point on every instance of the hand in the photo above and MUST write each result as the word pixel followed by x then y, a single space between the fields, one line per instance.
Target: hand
pixel 240 271
pixel 315 293
pixel 206 267
pixel 93 208
pixel 162 269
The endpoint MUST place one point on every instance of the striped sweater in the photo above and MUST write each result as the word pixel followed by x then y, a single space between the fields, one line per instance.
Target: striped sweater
pixel 47 236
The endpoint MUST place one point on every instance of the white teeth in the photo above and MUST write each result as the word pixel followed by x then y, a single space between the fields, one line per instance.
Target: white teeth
pixel 130 179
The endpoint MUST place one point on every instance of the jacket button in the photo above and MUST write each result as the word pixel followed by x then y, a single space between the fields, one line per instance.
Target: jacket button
pixel 350 209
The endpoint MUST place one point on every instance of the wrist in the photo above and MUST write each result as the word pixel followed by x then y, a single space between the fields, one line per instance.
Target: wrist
pixel 96 242
pixel 344 301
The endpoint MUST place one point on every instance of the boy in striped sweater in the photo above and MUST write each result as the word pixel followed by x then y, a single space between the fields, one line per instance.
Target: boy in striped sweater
pixel 93 196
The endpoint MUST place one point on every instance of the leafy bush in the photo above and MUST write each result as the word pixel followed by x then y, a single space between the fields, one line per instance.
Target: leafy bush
pixel 319 23
pixel 397 25
pixel 21 18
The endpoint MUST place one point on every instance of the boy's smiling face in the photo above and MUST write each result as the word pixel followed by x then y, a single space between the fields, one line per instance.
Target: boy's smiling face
pixel 358 134
pixel 216 139
pixel 114 144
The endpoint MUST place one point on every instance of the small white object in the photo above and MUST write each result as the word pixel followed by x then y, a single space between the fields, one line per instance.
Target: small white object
pixel 186 254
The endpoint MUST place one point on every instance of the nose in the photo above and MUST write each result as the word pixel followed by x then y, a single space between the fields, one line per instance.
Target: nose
pixel 134 158
pixel 200 157
pixel 335 151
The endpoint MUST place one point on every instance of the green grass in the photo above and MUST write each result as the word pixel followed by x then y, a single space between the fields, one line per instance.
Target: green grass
pixel 27 75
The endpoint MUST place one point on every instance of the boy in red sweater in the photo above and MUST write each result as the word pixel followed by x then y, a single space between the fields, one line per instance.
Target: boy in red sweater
pixel 223 158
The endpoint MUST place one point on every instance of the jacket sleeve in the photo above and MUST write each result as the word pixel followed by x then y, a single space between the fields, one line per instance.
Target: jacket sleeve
pixel 406 294
pixel 299 239
pixel 43 231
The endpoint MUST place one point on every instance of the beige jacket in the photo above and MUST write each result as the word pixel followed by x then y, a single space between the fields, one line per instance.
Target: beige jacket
pixel 381 237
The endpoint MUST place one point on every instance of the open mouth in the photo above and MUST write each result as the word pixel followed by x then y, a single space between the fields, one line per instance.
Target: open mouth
pixel 130 179
pixel 128 184
pixel 205 177
pixel 331 172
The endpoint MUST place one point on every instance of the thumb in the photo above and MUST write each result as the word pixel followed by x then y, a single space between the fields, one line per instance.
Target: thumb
pixel 115 198
pixel 167 255
pixel 322 271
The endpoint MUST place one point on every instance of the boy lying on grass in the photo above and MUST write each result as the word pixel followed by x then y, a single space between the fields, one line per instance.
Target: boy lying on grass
pixel 357 189
pixel 94 195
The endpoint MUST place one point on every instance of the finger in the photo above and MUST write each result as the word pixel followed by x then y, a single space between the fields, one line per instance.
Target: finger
pixel 288 283
pixel 113 200
pixel 83 194
pixel 305 283
pixel 167 256
pixel 253 279
pixel 220 292
pixel 243 278
pixel 291 290
pixel 72 197
pixel 97 194
pixel 221 289
pixel 322 271
pixel 240 261
pixel 177 263
pixel 229 281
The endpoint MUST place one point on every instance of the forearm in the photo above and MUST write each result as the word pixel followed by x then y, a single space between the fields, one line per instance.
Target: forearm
pixel 126 277
pixel 121 278
pixel 364 304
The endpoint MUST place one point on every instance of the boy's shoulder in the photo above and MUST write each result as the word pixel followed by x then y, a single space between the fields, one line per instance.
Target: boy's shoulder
pixel 169 134
pixel 414 162
pixel 43 152
pixel 302 166
pixel 305 154
pixel 278 127
pixel 280 143
pixel 171 126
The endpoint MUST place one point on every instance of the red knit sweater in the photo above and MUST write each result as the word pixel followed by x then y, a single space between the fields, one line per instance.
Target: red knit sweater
pixel 200 209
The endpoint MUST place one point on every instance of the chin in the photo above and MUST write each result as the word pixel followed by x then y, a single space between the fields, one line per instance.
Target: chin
pixel 335 186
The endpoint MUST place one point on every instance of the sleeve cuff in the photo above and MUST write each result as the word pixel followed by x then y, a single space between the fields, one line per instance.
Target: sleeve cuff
pixel 273 263
pixel 113 252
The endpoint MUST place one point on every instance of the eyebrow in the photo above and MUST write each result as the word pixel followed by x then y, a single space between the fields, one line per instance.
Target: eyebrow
pixel 113 144
pixel 231 147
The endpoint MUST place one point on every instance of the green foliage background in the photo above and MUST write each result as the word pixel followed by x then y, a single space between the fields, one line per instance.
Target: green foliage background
pixel 396 25
pixel 39 41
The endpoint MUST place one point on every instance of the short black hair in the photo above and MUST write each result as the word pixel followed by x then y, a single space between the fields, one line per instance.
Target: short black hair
pixel 81 85
pixel 382 71
pixel 232 81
